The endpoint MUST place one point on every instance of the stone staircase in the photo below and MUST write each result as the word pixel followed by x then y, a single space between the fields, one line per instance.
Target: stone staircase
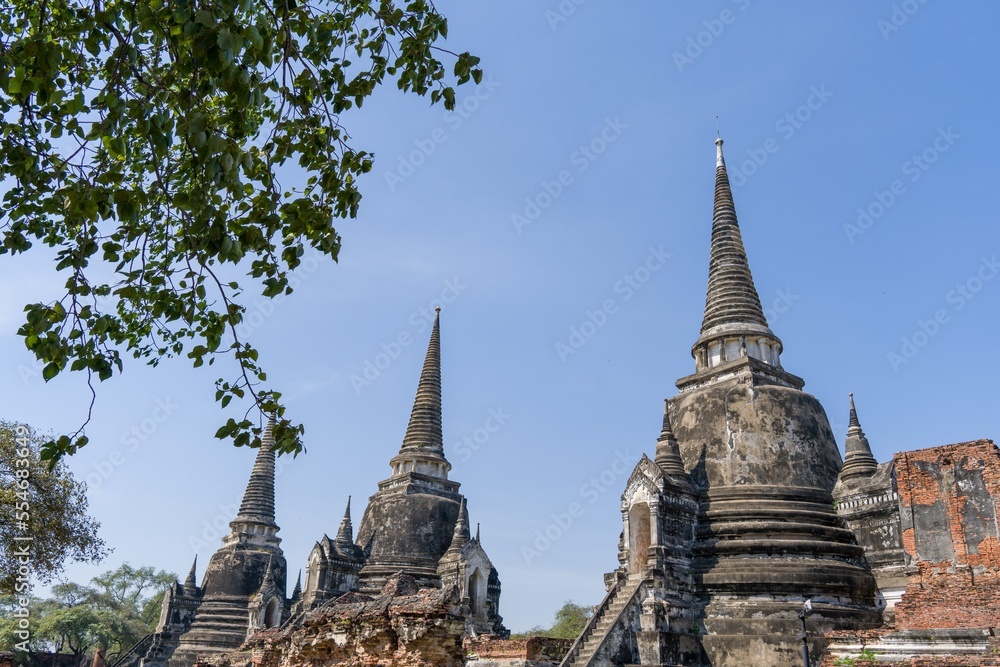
pixel 135 653
pixel 605 617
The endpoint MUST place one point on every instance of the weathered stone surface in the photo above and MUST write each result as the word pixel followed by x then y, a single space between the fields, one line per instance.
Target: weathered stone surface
pixel 403 626
pixel 417 523
pixel 717 558
pixel 407 527
pixel 244 585
pixel 915 648
pixel 869 504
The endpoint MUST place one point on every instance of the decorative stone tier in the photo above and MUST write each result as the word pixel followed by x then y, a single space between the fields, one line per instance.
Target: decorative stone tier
pixel 408 527
pixel 763 462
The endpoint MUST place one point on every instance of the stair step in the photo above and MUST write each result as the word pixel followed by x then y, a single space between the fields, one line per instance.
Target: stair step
pixel 605 619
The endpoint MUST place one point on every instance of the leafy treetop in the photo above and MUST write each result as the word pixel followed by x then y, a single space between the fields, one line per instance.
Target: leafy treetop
pixel 142 142
pixel 46 504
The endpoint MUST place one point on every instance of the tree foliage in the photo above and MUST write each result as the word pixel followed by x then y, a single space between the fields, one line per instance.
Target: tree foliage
pixel 77 619
pixel 569 622
pixel 145 142
pixel 45 504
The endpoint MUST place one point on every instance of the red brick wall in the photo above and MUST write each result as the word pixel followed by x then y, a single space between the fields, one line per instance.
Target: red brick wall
pixel 963 592
pixel 528 648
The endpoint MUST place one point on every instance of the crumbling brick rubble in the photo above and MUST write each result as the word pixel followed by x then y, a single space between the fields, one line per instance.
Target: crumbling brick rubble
pixel 404 626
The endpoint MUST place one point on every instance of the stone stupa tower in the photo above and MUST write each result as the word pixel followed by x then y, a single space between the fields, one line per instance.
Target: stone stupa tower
pixel 720 550
pixel 763 459
pixel 243 589
pixel 409 521
pixel 417 524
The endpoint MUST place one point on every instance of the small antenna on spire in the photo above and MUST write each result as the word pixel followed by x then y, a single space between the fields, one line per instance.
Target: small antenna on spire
pixel 718 133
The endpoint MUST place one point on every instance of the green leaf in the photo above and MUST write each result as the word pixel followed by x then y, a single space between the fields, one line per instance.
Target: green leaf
pixel 50 371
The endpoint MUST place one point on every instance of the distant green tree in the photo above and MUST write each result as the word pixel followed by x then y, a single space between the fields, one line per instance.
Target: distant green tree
pixel 128 588
pixel 47 505
pixel 114 613
pixel 10 626
pixel 568 624
pixel 570 621
pixel 73 630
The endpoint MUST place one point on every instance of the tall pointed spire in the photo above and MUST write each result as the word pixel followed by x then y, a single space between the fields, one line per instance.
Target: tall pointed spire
pixel 858 458
pixel 297 591
pixel 191 582
pixel 668 455
pixel 424 429
pixel 461 535
pixel 734 325
pixel 258 499
pixel 423 445
pixel 732 297
pixel 345 535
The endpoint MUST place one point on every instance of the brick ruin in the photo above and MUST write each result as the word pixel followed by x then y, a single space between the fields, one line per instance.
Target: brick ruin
pixel 929 517
pixel 405 625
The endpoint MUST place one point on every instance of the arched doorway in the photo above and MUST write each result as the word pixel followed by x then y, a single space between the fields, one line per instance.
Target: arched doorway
pixel 638 537
pixel 477 593
pixel 272 614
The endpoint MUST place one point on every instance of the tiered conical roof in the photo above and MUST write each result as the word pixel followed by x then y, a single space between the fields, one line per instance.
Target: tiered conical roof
pixel 424 429
pixel 668 454
pixel 258 499
pixel 734 325
pixel 732 297
pixel 345 535
pixel 858 458
pixel 461 535
pixel 422 451
pixel 191 582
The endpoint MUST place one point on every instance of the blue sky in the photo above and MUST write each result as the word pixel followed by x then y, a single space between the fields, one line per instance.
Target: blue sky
pixel 861 138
